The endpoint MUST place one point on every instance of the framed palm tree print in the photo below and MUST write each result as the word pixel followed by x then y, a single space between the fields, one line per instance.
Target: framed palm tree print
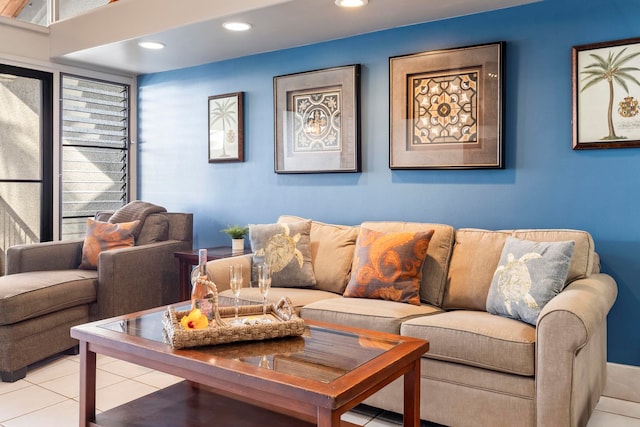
pixel 226 128
pixel 606 89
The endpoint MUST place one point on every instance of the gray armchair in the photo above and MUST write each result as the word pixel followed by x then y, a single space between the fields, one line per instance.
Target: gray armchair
pixel 44 293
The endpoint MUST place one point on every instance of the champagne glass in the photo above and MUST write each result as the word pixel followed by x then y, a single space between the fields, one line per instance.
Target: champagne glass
pixel 235 282
pixel 264 362
pixel 264 283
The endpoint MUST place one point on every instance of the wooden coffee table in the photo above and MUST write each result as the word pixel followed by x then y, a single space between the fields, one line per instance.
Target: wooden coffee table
pixel 308 380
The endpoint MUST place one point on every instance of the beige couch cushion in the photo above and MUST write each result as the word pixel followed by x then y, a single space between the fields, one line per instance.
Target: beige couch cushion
pixel 379 315
pixel 332 248
pixel 434 270
pixel 477 338
pixel 477 252
pixel 475 258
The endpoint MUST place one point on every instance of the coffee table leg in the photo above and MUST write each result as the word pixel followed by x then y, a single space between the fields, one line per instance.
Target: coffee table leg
pixel 87 385
pixel 328 418
pixel 412 396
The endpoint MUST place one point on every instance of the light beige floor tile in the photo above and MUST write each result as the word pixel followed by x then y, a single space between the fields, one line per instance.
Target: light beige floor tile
pixel 26 400
pixel 73 357
pixel 101 360
pixel 125 369
pixel 10 387
pixel 616 406
pixel 120 393
pixel 69 385
pixel 64 414
pixel 605 419
pixel 56 369
pixel 158 379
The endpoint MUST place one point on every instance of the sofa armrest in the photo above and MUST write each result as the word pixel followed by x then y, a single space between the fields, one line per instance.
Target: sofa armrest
pixel 218 270
pixel 44 256
pixel 137 278
pixel 571 351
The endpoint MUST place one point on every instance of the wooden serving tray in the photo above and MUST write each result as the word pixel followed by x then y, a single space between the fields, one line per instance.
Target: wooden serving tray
pixel 284 322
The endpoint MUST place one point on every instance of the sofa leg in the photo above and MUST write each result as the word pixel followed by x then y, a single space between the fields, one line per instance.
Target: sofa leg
pixel 13 376
pixel 73 351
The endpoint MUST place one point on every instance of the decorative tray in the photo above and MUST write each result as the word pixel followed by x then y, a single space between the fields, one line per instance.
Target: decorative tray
pixel 284 322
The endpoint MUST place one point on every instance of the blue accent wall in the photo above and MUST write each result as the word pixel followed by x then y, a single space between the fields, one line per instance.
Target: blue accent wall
pixel 545 184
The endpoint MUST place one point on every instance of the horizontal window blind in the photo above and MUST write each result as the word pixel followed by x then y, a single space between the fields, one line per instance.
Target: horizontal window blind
pixel 95 144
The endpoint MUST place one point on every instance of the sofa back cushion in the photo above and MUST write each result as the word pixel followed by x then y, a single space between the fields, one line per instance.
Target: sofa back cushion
pixel 476 255
pixel 332 248
pixel 154 229
pixel 434 269
pixel 475 258
pixel 582 262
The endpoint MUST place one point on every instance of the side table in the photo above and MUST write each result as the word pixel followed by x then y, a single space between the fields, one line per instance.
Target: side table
pixel 188 259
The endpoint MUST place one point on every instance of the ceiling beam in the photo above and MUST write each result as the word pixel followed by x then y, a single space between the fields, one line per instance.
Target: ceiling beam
pixel 12 8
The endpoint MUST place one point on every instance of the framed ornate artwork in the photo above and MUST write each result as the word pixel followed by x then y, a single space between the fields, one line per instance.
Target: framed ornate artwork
pixel 226 128
pixel 446 109
pixel 606 89
pixel 317 121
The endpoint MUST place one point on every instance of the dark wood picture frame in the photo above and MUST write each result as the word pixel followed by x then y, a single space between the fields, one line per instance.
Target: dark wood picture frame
pixel 446 109
pixel 317 121
pixel 226 128
pixel 606 90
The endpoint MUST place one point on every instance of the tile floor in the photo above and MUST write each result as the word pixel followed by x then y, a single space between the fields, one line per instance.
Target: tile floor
pixel 48 396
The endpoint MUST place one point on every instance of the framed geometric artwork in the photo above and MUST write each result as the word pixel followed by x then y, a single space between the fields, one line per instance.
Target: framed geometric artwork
pixel 446 109
pixel 606 90
pixel 317 121
pixel 226 128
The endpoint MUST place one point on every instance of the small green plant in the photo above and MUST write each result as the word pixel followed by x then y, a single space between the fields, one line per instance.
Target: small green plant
pixel 235 231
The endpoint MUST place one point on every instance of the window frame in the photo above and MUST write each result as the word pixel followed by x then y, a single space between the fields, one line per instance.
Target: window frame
pixel 130 152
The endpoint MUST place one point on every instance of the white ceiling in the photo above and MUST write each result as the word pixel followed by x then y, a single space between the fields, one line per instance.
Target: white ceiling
pixel 108 36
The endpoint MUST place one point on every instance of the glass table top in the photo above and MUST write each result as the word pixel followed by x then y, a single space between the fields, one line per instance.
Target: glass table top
pixel 320 354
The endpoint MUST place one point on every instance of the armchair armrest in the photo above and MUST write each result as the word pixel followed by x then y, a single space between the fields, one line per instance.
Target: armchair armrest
pixel 137 278
pixel 44 256
pixel 571 351
pixel 218 270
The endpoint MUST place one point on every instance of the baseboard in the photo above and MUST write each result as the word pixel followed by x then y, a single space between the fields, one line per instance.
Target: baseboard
pixel 623 382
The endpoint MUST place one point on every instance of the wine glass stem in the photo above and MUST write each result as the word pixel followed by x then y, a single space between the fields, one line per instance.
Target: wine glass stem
pixel 264 307
pixel 236 301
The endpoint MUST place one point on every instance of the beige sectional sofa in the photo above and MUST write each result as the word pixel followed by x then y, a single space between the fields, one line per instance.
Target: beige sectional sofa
pixel 482 369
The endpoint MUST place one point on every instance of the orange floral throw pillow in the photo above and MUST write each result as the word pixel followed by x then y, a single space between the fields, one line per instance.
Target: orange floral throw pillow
pixel 103 236
pixel 388 265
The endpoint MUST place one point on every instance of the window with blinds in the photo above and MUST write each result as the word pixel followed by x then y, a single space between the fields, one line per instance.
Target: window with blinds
pixel 95 144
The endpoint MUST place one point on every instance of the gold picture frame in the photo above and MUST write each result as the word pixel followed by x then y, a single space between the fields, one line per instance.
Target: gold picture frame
pixel 446 109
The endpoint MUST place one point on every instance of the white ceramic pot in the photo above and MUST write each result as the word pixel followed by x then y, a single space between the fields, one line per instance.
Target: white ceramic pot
pixel 237 245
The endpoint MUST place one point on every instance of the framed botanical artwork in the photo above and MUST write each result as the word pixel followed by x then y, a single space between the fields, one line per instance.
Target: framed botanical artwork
pixel 226 128
pixel 606 89
pixel 317 121
pixel 446 109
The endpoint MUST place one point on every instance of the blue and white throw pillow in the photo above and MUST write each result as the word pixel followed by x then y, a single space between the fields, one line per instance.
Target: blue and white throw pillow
pixel 528 276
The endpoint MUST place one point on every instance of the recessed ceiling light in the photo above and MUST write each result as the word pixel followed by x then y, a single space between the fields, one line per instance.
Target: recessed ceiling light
pixel 151 45
pixel 236 26
pixel 352 3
